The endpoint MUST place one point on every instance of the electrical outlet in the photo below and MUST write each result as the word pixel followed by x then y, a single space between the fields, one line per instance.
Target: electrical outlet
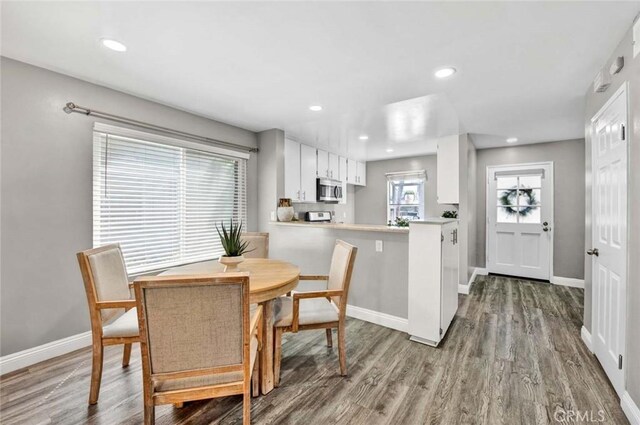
pixel 378 246
pixel 273 216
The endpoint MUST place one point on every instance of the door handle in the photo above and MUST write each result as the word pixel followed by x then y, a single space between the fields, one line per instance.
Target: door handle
pixel 593 251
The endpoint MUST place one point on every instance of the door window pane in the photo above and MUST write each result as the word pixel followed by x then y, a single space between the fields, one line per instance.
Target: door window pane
pixel 507 215
pixel 529 197
pixel 529 215
pixel 507 197
pixel 507 182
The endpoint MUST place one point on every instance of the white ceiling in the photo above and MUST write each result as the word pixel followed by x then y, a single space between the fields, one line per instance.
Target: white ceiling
pixel 524 67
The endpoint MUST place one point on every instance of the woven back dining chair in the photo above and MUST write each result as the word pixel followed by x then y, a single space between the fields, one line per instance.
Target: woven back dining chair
pixel 199 339
pixel 114 319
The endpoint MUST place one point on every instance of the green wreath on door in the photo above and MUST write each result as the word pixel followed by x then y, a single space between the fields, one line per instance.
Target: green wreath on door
pixel 509 197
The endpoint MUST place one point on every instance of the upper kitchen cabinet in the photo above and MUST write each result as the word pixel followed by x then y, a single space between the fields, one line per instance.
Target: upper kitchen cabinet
pixel 323 163
pixel 292 170
pixel 299 172
pixel 448 170
pixel 308 173
pixel 361 173
pixel 334 166
pixel 356 173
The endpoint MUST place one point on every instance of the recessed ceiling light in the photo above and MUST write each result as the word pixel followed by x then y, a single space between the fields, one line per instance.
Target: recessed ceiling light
pixel 113 45
pixel 512 139
pixel 389 150
pixel 445 72
pixel 315 108
pixel 364 137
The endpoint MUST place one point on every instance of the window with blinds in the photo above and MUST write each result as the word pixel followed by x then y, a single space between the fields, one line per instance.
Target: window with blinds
pixel 160 198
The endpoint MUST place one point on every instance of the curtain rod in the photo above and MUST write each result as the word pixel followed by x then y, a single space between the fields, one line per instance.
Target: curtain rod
pixel 72 107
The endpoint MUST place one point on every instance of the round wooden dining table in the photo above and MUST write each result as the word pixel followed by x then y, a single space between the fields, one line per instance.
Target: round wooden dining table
pixel 268 279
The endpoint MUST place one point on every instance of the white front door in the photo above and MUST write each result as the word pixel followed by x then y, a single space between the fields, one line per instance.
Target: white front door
pixel 609 252
pixel 520 220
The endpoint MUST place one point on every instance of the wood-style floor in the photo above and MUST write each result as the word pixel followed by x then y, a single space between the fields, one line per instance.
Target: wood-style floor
pixel 512 356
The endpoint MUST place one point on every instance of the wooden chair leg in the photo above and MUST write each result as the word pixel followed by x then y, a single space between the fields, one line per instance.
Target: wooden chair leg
pixel 126 355
pixel 329 338
pixel 96 372
pixel 277 356
pixel 342 354
pixel 149 414
pixel 255 379
pixel 246 408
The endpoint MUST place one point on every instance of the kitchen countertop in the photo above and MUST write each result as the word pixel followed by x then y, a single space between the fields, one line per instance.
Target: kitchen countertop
pixel 343 226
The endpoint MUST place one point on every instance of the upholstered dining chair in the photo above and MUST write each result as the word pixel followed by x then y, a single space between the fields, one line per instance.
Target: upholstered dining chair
pixel 112 310
pixel 324 309
pixel 198 339
pixel 258 244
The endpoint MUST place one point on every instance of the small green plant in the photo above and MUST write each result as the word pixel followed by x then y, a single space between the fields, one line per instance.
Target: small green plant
pixel 450 214
pixel 231 239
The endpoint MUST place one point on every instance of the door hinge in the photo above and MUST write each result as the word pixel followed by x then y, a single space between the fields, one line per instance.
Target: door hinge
pixel 620 361
pixel 440 331
pixel 441 237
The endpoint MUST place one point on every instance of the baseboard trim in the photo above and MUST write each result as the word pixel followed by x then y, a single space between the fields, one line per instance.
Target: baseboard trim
pixel 477 271
pixel 630 408
pixel 568 281
pixel 382 319
pixel 586 338
pixel 31 356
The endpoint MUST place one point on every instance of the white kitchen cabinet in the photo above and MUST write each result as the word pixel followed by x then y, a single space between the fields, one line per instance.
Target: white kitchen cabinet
pixel 433 279
pixel 352 172
pixel 361 173
pixel 356 172
pixel 334 166
pixel 342 176
pixel 308 160
pixel 448 170
pixel 323 163
pixel 299 172
pixel 292 170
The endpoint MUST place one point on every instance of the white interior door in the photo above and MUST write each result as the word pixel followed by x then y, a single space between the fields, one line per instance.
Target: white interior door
pixel 609 252
pixel 520 220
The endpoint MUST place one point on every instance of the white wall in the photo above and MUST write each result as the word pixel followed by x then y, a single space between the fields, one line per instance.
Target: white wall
pixel 46 190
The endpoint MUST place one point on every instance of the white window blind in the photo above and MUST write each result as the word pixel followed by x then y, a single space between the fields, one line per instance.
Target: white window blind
pixel 161 201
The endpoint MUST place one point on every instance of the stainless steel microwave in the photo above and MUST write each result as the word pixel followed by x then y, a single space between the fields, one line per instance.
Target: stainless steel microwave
pixel 329 190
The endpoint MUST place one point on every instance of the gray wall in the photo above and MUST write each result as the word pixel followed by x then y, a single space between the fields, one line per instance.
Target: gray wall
pixel 594 101
pixel 371 200
pixel 472 213
pixel 569 195
pixel 46 190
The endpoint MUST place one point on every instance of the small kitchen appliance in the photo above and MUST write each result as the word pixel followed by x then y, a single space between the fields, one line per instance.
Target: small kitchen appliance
pixel 318 216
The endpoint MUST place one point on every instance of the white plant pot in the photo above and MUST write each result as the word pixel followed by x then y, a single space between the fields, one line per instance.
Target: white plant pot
pixel 285 213
pixel 231 263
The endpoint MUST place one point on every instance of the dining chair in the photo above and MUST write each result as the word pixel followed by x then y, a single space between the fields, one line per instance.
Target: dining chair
pixel 258 244
pixel 198 339
pixel 325 309
pixel 114 319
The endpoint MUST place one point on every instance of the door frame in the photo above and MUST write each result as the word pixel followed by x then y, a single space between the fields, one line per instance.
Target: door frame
pixel 488 204
pixel 624 91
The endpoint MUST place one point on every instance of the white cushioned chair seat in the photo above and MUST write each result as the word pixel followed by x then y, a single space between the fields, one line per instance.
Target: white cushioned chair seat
pixel 123 326
pixel 221 378
pixel 312 311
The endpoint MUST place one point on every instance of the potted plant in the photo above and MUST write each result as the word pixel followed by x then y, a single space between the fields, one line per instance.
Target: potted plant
pixel 233 245
pixel 285 210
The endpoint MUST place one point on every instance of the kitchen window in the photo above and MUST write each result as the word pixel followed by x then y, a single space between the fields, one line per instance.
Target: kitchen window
pixel 160 198
pixel 405 195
